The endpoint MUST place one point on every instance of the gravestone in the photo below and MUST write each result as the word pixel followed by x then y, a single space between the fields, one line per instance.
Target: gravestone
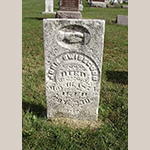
pixel 80 6
pixel 49 7
pixel 69 5
pixel 98 3
pixel 122 20
pixel 69 9
pixel 107 2
pixel 73 50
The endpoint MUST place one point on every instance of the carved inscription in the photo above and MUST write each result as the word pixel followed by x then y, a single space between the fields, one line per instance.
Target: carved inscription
pixel 69 5
pixel 72 102
pixel 72 77
pixel 62 68
pixel 73 51
pixel 73 35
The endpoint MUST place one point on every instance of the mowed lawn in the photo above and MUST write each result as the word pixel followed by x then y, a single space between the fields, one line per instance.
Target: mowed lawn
pixel 111 130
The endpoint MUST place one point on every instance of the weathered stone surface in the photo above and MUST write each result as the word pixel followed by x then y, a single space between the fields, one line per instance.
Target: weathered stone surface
pixel 69 5
pixel 73 50
pixel 69 14
pixel 107 2
pixel 98 4
pixel 123 20
pixel 124 6
pixel 49 7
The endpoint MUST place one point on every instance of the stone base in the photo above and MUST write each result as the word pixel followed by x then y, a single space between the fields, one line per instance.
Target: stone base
pixel 48 12
pixel 123 20
pixel 69 14
pixel 98 4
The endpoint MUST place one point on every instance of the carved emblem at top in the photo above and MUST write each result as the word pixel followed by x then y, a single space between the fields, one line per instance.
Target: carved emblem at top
pixel 73 36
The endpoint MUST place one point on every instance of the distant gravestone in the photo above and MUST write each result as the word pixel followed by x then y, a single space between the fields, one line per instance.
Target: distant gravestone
pixel 107 2
pixel 80 6
pixel 49 7
pixel 98 3
pixel 122 20
pixel 69 5
pixel 73 50
pixel 69 9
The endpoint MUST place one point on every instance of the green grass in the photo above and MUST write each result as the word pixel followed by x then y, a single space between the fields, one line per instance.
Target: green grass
pixel 40 134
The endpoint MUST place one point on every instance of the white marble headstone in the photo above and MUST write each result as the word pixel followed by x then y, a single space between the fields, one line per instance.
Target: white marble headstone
pixel 73 50
pixel 49 7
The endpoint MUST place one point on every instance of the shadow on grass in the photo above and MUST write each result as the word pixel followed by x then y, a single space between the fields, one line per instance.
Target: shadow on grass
pixel 38 110
pixel 117 76
pixel 37 18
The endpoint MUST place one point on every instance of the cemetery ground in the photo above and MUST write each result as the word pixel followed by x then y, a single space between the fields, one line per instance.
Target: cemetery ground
pixel 111 130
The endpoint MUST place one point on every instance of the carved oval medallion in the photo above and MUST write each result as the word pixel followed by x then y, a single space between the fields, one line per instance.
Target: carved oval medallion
pixel 73 36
